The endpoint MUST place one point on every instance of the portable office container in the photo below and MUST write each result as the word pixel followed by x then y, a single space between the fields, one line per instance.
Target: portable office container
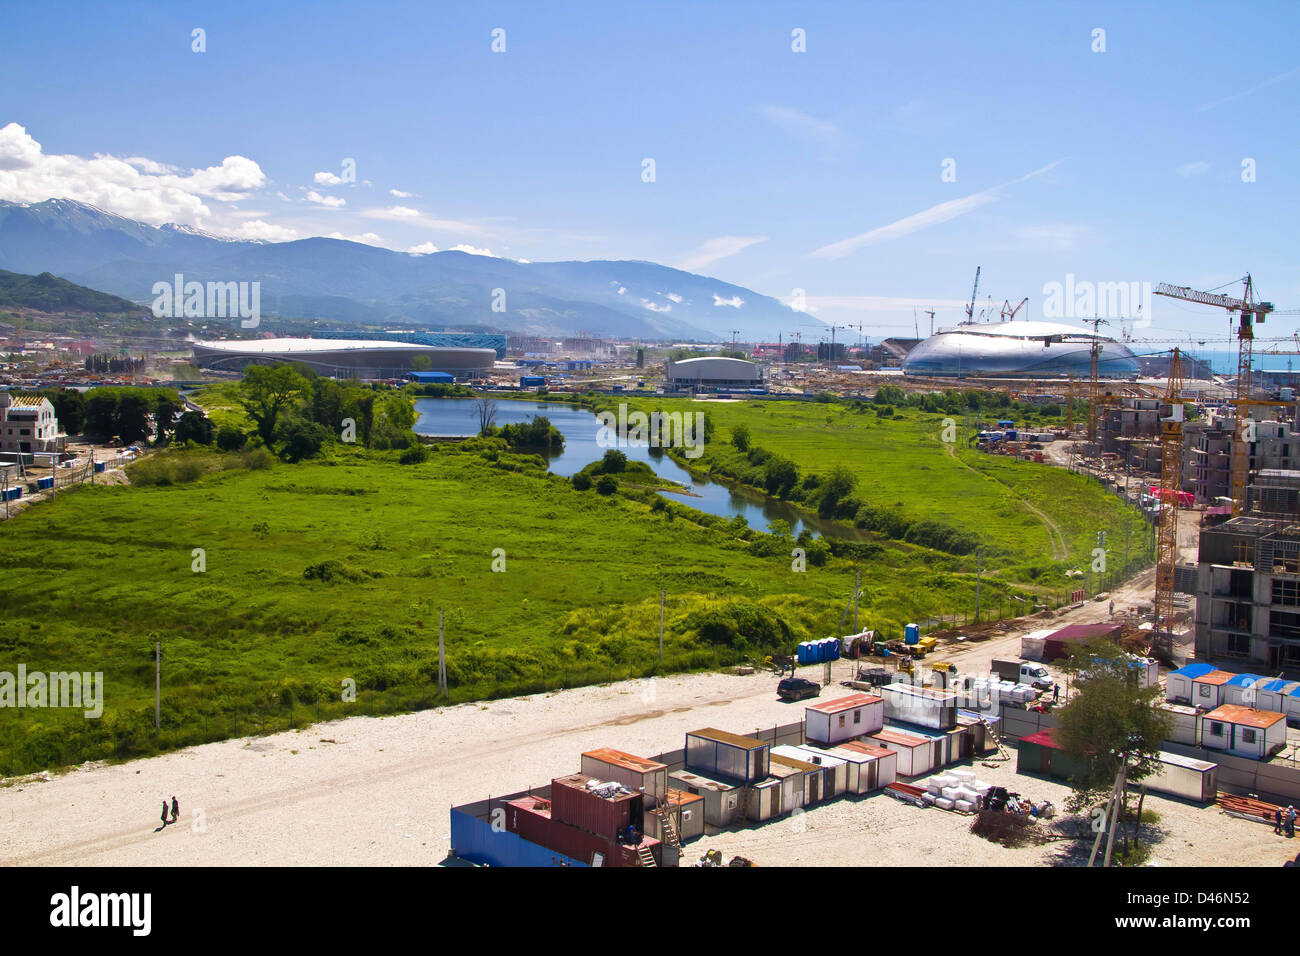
pixel 1243 731
pixel 531 819
pixel 1185 777
pixel 1040 753
pixel 635 773
pixel 1207 690
pixel 925 706
pixel 729 756
pixel 784 790
pixel 811 778
pixel 1178 685
pixel 870 767
pixel 834 770
pixel 915 754
pixel 1243 690
pixel 721 799
pixel 1184 724
pixel 687 811
pixel 1273 695
pixel 843 718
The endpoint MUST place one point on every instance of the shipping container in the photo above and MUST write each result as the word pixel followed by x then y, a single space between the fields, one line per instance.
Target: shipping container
pixel 605 808
pixel 721 799
pixel 834 770
pixel 687 810
pixel 810 777
pixel 1178 684
pixel 916 754
pixel 532 819
pixel 638 774
pixel 729 756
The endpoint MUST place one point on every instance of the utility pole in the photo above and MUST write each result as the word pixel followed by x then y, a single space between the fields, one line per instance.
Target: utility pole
pixel 979 569
pixel 857 589
pixel 157 685
pixel 442 661
pixel 661 626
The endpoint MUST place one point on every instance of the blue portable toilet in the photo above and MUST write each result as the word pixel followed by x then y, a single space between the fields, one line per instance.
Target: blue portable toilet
pixel 911 633
pixel 801 654
pixel 835 648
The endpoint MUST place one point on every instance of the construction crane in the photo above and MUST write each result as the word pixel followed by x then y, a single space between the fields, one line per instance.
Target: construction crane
pixel 930 313
pixel 1009 313
pixel 970 309
pixel 1171 463
pixel 1094 377
pixel 1250 311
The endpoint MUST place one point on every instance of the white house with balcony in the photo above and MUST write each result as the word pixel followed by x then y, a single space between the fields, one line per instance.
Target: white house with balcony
pixel 28 425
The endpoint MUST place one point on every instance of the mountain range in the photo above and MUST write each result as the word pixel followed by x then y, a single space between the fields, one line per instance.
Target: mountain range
pixel 364 285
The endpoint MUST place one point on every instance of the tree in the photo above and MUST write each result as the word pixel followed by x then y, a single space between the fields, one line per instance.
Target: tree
pixel 131 416
pixel 165 410
pixel 1110 724
pixel 267 390
pixel 487 414
pixel 301 438
pixel 614 462
pixel 740 437
pixel 838 484
pixel 607 485
pixel 230 438
pixel 195 427
pixel 581 481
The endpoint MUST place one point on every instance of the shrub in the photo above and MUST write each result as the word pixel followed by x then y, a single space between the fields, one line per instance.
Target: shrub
pixel 414 455
pixel 257 459
pixel 581 481
pixel 607 485
pixel 230 438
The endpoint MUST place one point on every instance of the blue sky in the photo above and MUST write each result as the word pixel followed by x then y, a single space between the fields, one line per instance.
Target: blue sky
pixel 774 170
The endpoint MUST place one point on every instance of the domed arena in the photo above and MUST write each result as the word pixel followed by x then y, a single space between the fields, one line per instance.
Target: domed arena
pixel 1018 350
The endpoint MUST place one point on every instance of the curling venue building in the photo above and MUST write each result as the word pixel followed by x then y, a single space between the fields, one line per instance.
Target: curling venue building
pixel 1020 350
pixel 344 358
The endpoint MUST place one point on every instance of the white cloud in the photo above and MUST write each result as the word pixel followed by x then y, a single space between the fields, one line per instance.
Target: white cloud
pixel 672 295
pixel 715 249
pixel 1194 169
pixel 257 229
pixel 472 250
pixel 365 238
pixel 327 179
pixel 395 212
pixel 622 290
pixel 423 249
pixel 800 124
pixel 943 212
pixel 333 202
pixel 136 188
pixel 734 302
pixel 655 307
pixel 401 195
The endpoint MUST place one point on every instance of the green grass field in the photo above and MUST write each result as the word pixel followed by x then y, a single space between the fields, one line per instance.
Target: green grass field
pixel 335 570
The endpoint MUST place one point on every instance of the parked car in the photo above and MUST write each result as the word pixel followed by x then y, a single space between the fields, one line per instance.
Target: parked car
pixel 798 688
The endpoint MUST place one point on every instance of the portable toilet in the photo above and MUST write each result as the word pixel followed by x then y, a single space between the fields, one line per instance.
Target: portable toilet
pixel 911 633
pixel 801 652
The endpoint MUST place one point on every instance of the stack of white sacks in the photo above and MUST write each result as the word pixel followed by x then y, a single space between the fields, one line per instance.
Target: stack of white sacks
pixel 955 790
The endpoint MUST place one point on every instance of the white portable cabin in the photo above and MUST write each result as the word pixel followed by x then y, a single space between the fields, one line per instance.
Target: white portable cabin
pixel 721 799
pixel 1178 685
pixel 1184 724
pixel 869 767
pixel 792 783
pixel 834 771
pixel 1274 695
pixel 843 718
pixel 924 706
pixel 1257 734
pixel 916 755
pixel 1031 645
pixel 1186 777
pixel 1207 690
pixel 1243 690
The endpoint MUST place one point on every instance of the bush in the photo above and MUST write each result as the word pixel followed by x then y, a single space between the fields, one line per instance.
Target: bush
pixel 740 437
pixel 581 481
pixel 607 485
pixel 414 455
pixel 230 438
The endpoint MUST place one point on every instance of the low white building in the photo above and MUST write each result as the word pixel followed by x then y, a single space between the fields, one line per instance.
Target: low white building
pixel 27 424
pixel 1243 731
pixel 844 718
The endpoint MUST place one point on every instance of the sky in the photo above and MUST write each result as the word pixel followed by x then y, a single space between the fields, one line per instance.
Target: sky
pixel 858 160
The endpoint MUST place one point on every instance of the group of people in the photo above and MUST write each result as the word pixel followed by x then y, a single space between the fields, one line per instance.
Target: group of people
pixel 1284 818
pixel 175 811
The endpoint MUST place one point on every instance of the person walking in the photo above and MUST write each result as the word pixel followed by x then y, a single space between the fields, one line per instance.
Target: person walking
pixel 1112 608
pixel 1290 821
pixel 1056 693
pixel 164 813
pixel 176 810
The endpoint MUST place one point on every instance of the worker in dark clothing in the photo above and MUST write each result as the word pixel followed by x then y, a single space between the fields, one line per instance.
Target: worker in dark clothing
pixel 1290 821
pixel 1277 820
pixel 164 813
pixel 176 810
pixel 1056 693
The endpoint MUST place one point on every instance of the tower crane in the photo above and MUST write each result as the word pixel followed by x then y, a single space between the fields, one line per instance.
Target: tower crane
pixel 1009 313
pixel 1171 462
pixel 1250 311
pixel 1094 383
pixel 970 309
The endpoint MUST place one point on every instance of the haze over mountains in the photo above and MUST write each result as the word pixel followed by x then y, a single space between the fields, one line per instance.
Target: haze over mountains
pixel 356 283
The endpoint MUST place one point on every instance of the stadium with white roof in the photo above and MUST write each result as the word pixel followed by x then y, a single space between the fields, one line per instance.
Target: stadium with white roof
pixel 344 358
pixel 1019 350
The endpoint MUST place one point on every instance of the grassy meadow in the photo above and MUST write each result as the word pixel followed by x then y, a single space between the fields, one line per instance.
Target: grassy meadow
pixel 335 570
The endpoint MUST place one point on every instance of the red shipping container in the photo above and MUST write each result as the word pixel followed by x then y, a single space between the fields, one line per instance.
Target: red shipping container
pixel 573 804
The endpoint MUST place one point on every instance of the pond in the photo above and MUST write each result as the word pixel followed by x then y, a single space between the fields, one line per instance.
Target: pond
pixel 459 416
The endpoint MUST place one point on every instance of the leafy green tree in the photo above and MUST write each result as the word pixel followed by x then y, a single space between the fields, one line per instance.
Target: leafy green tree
pixel 101 408
pixel 581 481
pixel 740 437
pixel 166 408
pixel 301 438
pixel 607 485
pixel 266 392
pixel 195 427
pixel 230 438
pixel 1110 723
pixel 131 416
